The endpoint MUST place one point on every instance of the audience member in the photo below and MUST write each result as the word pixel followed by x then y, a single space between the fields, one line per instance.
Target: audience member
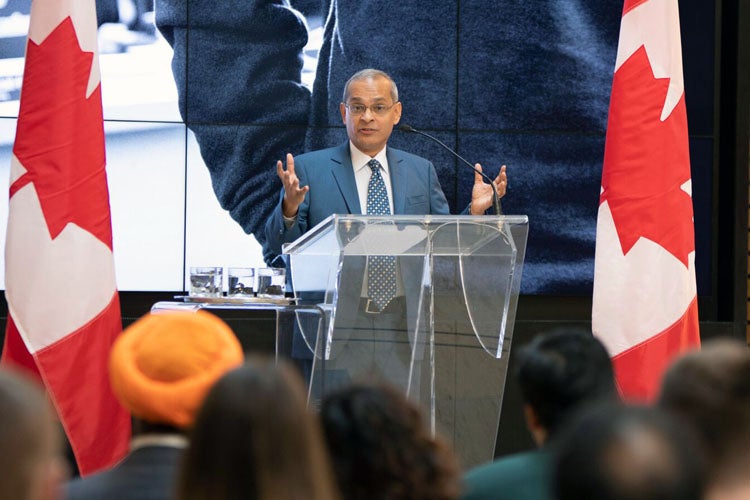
pixel 558 372
pixel 710 390
pixel 161 368
pixel 254 438
pixel 616 452
pixel 31 462
pixel 382 448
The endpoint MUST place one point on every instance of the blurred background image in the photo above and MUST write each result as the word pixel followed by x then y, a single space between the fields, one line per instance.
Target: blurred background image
pixel 501 82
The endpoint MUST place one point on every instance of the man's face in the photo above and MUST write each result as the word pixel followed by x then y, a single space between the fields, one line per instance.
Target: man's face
pixel 370 131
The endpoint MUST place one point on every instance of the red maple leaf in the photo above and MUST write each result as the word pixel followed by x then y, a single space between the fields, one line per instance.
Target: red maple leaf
pixel 60 136
pixel 646 161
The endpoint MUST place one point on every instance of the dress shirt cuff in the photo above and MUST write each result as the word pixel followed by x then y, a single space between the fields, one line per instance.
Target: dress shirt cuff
pixel 289 221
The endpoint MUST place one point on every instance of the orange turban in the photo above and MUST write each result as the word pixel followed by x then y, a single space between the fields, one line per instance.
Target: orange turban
pixel 162 366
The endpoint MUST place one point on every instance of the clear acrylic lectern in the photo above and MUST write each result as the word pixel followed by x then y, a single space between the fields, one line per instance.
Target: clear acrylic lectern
pixel 446 345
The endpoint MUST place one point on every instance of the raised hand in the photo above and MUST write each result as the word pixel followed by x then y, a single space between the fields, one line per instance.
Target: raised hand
pixel 293 193
pixel 481 193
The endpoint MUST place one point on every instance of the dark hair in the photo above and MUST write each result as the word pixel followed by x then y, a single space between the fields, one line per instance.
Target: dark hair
pixel 626 453
pixel 28 436
pixel 382 448
pixel 710 390
pixel 560 370
pixel 255 438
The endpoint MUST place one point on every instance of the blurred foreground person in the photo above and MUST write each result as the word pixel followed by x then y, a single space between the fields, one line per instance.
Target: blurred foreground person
pixel 254 438
pixel 710 390
pixel 615 452
pixel 161 368
pixel 31 463
pixel 382 448
pixel 559 372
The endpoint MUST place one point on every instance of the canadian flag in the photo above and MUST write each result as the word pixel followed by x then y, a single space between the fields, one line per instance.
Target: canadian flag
pixel 645 304
pixel 63 306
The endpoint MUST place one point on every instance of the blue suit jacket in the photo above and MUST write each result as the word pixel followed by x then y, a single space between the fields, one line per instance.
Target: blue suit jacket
pixel 333 190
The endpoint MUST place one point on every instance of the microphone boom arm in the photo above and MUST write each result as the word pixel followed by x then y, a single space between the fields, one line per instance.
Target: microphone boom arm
pixel 495 197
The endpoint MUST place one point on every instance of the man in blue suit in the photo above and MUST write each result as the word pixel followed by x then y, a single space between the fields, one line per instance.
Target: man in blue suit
pixel 335 180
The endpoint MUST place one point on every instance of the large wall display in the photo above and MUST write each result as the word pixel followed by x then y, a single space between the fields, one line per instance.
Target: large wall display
pixel 198 111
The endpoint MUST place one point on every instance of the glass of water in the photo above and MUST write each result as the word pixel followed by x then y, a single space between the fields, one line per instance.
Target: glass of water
pixel 206 281
pixel 240 281
pixel 271 282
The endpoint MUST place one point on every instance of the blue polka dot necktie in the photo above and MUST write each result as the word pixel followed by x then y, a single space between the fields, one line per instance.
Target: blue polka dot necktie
pixel 381 269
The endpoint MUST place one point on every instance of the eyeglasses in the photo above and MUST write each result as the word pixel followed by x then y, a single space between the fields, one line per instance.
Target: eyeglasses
pixel 377 109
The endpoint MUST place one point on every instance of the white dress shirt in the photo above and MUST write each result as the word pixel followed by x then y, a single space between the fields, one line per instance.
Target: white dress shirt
pixel 362 174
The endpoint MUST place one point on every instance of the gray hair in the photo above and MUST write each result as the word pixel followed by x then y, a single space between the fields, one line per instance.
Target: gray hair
pixel 367 74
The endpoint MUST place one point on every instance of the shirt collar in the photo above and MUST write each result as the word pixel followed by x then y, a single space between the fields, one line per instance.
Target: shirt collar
pixel 360 159
pixel 170 440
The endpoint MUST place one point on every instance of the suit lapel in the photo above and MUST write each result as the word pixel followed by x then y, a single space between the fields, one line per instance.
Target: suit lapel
pixel 343 173
pixel 398 173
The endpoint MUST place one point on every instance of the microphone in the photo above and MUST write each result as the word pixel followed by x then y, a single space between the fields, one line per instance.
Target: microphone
pixel 495 197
